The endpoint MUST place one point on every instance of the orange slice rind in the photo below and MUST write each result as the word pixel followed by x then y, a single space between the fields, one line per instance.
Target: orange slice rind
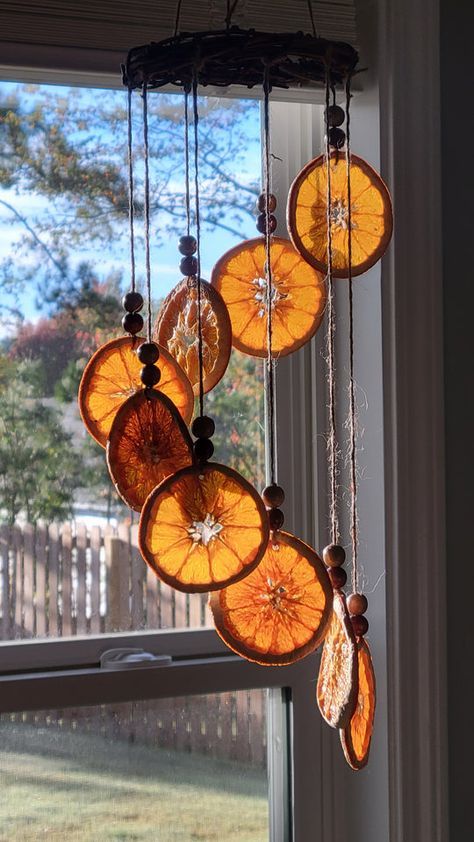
pixel 280 612
pixel 372 218
pixel 203 528
pixel 113 374
pixel 336 690
pixel 148 441
pixel 177 329
pixel 356 737
pixel 299 296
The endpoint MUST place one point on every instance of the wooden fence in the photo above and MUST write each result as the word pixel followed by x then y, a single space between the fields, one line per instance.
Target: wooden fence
pixel 68 580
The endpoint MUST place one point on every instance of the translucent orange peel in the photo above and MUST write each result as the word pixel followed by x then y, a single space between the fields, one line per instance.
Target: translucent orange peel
pixel 203 528
pixel 177 329
pixel 280 612
pixel 356 737
pixel 371 212
pixel 113 374
pixel 336 690
pixel 298 299
pixel 148 441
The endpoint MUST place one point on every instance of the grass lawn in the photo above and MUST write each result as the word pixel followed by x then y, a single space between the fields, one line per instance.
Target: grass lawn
pixel 73 787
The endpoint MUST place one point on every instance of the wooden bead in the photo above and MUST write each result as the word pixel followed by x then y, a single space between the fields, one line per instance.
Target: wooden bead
pixel 150 375
pixel 148 353
pixel 203 427
pixel 187 244
pixel 132 323
pixel 334 555
pixel 336 115
pixel 276 518
pixel 338 577
pixel 188 265
pixel 203 449
pixel 360 625
pixel 132 302
pixel 357 603
pixel 273 496
pixel 337 138
pixel 262 205
pixel 262 223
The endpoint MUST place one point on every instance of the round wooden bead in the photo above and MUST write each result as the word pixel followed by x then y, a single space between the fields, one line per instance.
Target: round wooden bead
pixel 132 323
pixel 357 603
pixel 360 625
pixel 276 518
pixel 337 577
pixel 148 353
pixel 336 115
pixel 188 265
pixel 132 302
pixel 203 449
pixel 262 223
pixel 337 138
pixel 187 244
pixel 273 496
pixel 203 427
pixel 334 555
pixel 150 375
pixel 262 205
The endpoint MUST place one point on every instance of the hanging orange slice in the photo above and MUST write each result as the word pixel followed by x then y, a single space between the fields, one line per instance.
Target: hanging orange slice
pixel 148 441
pixel 371 207
pixel 298 297
pixel 203 528
pixel 177 329
pixel 113 374
pixel 356 737
pixel 280 612
pixel 337 680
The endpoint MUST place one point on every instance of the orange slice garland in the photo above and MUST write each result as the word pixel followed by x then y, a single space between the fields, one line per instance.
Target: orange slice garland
pixel 371 207
pixel 203 528
pixel 356 737
pixel 148 441
pixel 113 374
pixel 177 329
pixel 337 680
pixel 299 296
pixel 280 612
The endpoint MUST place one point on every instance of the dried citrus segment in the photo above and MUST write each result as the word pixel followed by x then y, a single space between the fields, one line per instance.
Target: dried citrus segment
pixel 298 296
pixel 356 737
pixel 371 207
pixel 203 528
pixel 177 329
pixel 113 374
pixel 280 612
pixel 337 680
pixel 148 441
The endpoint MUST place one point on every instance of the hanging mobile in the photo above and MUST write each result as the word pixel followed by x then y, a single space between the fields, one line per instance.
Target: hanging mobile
pixel 280 612
pixel 205 526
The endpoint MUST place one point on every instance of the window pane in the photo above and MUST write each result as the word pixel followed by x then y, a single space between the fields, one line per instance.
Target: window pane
pixel 176 769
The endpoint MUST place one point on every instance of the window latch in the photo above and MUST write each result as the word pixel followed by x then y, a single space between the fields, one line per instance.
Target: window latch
pixel 127 658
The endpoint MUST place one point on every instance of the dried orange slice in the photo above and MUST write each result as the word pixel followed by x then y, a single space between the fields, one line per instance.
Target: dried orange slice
pixel 280 612
pixel 113 374
pixel 298 297
pixel 177 329
pixel 337 680
pixel 371 206
pixel 203 528
pixel 356 737
pixel 148 441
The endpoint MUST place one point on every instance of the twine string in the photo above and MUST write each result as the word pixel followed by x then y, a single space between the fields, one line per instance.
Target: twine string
pixel 131 189
pixel 177 18
pixel 198 242
pixel 186 161
pixel 230 12
pixel 311 17
pixel 330 342
pixel 147 207
pixel 269 275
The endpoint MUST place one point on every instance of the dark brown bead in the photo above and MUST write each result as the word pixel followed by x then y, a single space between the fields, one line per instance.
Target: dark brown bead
pixel 148 353
pixel 357 603
pixel 188 266
pixel 132 323
pixel 262 205
pixel 337 138
pixel 132 302
pixel 187 244
pixel 334 555
pixel 360 624
pixel 203 427
pixel 150 375
pixel 203 449
pixel 336 115
pixel 262 223
pixel 276 518
pixel 273 496
pixel 338 577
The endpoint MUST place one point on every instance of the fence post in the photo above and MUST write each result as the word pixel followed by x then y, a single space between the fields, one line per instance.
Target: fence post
pixel 117 583
pixel 29 579
pixel 4 553
pixel 40 596
pixel 81 568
